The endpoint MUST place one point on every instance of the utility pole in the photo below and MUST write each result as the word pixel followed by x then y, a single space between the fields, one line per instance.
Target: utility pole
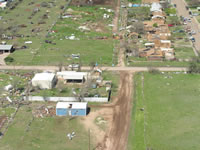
pixel 89 139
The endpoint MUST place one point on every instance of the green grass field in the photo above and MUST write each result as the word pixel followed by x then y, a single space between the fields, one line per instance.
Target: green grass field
pixel 170 120
pixel 44 133
pixel 90 46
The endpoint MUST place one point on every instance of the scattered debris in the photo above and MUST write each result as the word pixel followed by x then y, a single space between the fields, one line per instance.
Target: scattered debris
pixel 84 28
pixel 28 42
pixel 72 37
pixel 43 111
pixel 8 87
pixel 71 135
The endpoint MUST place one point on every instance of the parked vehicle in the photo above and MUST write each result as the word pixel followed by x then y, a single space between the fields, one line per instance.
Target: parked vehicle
pixel 192 38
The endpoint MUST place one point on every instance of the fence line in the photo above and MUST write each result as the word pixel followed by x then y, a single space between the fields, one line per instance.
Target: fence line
pixel 66 99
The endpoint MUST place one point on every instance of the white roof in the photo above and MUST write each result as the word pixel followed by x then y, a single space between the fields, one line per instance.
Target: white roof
pixel 43 76
pixel 158 16
pixel 166 49
pixel 75 105
pixel 165 41
pixel 5 47
pixel 156 7
pixel 72 75
pixel 149 44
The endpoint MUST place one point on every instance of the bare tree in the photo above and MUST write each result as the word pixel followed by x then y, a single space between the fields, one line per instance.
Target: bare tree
pixel 60 66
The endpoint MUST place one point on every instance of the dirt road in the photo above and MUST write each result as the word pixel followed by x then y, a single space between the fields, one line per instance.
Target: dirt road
pixel 182 11
pixel 130 69
pixel 117 135
pixel 116 18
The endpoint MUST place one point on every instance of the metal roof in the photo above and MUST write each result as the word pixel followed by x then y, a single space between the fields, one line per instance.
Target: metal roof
pixel 75 105
pixel 43 76
pixel 72 75
pixel 156 7
pixel 6 47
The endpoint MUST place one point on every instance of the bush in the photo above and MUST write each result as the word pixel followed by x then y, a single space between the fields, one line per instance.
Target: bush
pixel 155 25
pixel 194 68
pixel 153 70
pixel 9 59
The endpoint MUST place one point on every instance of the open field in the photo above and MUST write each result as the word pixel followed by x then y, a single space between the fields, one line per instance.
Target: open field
pixel 49 26
pixel 171 111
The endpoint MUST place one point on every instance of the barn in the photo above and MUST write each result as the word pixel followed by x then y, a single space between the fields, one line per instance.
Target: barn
pixel 6 49
pixel 71 109
pixel 44 80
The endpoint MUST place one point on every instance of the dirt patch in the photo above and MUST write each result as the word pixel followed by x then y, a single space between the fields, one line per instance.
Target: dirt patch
pixel 89 122
pixel 117 136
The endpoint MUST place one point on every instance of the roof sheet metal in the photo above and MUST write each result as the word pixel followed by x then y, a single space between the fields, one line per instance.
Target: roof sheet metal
pixel 74 105
pixel 165 41
pixel 44 76
pixel 72 75
pixel 158 16
pixel 5 47
pixel 156 7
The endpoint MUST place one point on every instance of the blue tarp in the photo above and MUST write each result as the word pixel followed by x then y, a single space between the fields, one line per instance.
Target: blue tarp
pixel 135 5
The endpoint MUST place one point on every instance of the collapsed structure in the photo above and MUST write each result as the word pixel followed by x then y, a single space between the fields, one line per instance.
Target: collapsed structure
pixel 158 46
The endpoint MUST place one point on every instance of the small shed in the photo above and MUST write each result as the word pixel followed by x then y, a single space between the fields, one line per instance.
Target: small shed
pixel 73 76
pixel 44 80
pixel 71 109
pixel 6 49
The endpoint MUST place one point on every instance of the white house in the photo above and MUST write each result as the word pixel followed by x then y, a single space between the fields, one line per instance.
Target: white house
pixel 44 80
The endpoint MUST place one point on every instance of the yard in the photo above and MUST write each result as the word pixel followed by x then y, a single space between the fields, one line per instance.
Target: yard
pixel 67 90
pixel 50 29
pixel 44 133
pixel 166 112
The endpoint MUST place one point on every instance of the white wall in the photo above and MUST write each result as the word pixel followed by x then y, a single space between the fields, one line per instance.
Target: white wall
pixel 66 99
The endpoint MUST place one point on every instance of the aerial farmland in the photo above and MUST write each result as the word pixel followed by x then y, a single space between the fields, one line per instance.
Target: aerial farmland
pixel 99 74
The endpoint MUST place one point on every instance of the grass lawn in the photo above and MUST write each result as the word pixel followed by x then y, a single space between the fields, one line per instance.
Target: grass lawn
pixel 44 133
pixel 184 52
pixel 89 45
pixel 158 64
pixel 170 120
